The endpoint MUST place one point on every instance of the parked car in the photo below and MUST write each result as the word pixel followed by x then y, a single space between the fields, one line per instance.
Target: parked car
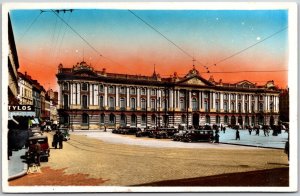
pixel 143 133
pixel 198 136
pixel 178 136
pixel 130 130
pixel 45 150
pixel 165 133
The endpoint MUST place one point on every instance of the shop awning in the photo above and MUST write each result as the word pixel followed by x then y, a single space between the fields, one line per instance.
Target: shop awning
pixel 11 114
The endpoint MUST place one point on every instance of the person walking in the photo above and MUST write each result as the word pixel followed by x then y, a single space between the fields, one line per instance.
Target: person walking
pixel 60 140
pixel 217 136
pixel 55 140
pixel 237 135
pixel 224 129
pixel 257 131
pixel 250 130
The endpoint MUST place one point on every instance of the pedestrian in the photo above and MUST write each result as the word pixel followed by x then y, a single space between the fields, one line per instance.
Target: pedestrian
pixel 250 130
pixel 60 140
pixel 237 135
pixel 35 151
pixel 104 128
pixel 257 131
pixel 287 149
pixel 217 138
pixel 55 140
pixel 224 129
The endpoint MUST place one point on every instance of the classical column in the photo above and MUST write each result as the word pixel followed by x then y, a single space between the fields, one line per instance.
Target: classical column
pixel 221 101
pixel 148 98
pixel 265 103
pixel 213 100
pixel 202 100
pixel 256 103
pixel 159 98
pixel 138 97
pixel 117 97
pixel 127 97
pixel 177 98
pixel 96 93
pixel 236 103
pixel 78 94
pixel 60 100
pixel 199 100
pixel 171 99
pixel 190 100
pixel 243 103
pixel 249 104
pixel 229 102
pixel 105 96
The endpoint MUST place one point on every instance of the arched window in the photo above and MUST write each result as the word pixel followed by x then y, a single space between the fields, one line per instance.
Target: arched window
pixel 261 107
pixel 102 118
pixel 66 101
pixel 132 103
pixel 132 91
pixel 153 92
pixel 85 119
pixel 112 119
pixel 111 102
pixel 84 101
pixel 84 86
pixel 252 107
pixel 111 89
pixel 101 88
pixel 133 120
pixel 182 104
pixel 194 104
pixel 217 106
pixel 66 86
pixel 122 103
pixel 164 103
pixel 218 119
pixel 232 106
pixel 144 119
pixel 122 90
pixel 143 91
pixel 225 107
pixel 101 102
pixel 239 107
pixel 183 118
pixel 206 106
pixel 153 119
pixel 207 119
pixel 153 104
pixel 143 104
pixel 271 107
pixel 226 119
pixel 123 120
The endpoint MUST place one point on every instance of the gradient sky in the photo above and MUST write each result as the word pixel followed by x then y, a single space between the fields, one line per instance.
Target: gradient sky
pixel 134 48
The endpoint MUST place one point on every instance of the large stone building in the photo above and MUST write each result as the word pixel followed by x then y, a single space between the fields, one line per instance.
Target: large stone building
pixel 25 89
pixel 91 99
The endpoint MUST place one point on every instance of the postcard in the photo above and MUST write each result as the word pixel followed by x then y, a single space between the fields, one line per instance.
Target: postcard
pixel 149 97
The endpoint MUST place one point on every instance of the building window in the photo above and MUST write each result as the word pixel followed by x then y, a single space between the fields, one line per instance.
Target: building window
pixel 207 119
pixel 246 107
pixel 153 104
pixel 239 107
pixel 194 104
pixel 111 89
pixel 226 119
pixel 133 120
pixel 164 104
pixel 239 96
pixel 218 119
pixel 232 96
pixel 143 104
pixel 153 119
pixel 261 98
pixel 261 107
pixel 112 119
pixel 85 119
pixel 246 97
pixel 84 101
pixel 271 107
pixel 181 94
pixel 111 102
pixel 123 120
pixel 143 91
pixel 225 96
pixel 65 86
pixel 132 103
pixel 101 88
pixel 182 104
pixel 217 95
pixel 144 119
pixel 225 107
pixel 206 106
pixel 102 118
pixel 232 106
pixel 122 90
pixel 122 103
pixel 252 107
pixel 206 94
pixel 153 92
pixel 183 119
pixel 271 98
pixel 252 97
pixel 132 91
pixel 66 101
pixel 101 102
pixel 217 106
pixel 84 86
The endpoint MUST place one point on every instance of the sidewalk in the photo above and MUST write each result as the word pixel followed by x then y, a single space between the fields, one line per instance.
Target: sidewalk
pixel 16 166
pixel 254 140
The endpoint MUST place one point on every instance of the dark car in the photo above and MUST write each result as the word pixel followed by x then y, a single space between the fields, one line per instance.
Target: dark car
pixel 165 133
pixel 198 136
pixel 130 130
pixel 143 133
pixel 179 136
pixel 45 150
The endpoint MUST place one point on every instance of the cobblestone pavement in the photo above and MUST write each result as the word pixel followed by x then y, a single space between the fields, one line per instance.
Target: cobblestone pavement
pixel 123 164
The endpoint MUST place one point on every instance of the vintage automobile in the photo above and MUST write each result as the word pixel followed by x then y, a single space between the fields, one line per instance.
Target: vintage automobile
pixel 130 130
pixel 198 136
pixel 143 133
pixel 165 133
pixel 178 136
pixel 45 150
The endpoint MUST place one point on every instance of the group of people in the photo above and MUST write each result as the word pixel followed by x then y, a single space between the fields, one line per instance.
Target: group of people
pixel 58 139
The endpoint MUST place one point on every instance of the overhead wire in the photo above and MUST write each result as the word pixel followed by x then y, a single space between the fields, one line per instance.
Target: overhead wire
pixel 29 27
pixel 243 50
pixel 88 43
pixel 165 37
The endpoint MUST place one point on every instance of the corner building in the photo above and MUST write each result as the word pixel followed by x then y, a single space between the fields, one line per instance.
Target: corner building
pixel 91 99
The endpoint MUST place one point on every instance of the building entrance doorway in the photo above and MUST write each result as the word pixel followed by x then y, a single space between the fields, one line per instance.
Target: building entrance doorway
pixel 196 120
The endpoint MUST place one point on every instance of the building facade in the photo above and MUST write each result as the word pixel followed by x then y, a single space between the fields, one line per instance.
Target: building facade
pixel 90 99
pixel 25 89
